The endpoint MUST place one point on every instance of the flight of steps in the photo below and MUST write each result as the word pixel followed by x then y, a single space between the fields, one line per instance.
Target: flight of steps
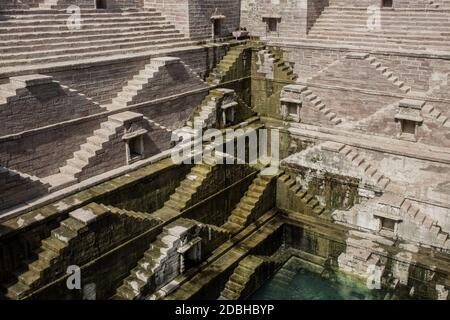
pixel 94 146
pixel 162 257
pixel 442 239
pixel 364 165
pixel 226 65
pixel 43 37
pixel 274 65
pixel 45 266
pixel 55 250
pixel 320 106
pixel 435 113
pixel 182 198
pixel 411 30
pixel 9 90
pixel 203 115
pixel 388 74
pixel 354 71
pixel 250 204
pixel 16 187
pixel 244 280
pixel 311 206
pixel 134 86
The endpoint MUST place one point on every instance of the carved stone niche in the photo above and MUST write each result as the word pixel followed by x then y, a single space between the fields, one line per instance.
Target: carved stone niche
pixel 228 108
pixel 217 24
pixel 388 214
pixel 291 102
pixel 133 136
pixel 410 118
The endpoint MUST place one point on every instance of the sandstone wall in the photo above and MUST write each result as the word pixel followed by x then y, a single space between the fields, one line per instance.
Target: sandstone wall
pixel 41 102
pixel 43 152
pixel 192 17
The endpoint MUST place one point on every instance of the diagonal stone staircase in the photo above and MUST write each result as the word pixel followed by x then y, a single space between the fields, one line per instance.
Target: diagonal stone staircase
pixel 303 201
pixel 320 106
pixel 160 264
pixel 247 277
pixel 251 205
pixel 364 165
pixel 230 65
pixel 271 63
pixel 94 146
pixel 436 114
pixel 60 249
pixel 204 115
pixel 388 74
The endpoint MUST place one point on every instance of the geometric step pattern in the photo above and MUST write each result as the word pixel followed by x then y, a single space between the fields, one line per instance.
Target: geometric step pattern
pixel 388 74
pixel 442 239
pixel 204 115
pixel 433 112
pixel 309 204
pixel 183 197
pixel 320 106
pixel 351 154
pixel 160 264
pixel 239 283
pixel 94 146
pixel 134 86
pixel 251 204
pixel 62 247
pixel 226 68
pixel 274 66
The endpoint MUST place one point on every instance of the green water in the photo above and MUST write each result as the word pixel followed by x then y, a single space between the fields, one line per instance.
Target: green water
pixel 293 282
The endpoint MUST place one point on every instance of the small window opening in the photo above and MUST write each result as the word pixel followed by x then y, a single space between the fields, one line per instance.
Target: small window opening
pixel 101 4
pixel 272 25
pixel 217 27
pixel 388 224
pixel 135 146
pixel 408 127
pixel 387 3
pixel 292 109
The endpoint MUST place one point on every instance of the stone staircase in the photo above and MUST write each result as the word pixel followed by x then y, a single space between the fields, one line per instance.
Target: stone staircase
pixel 320 106
pixel 309 205
pixel 354 71
pixel 408 30
pixel 182 198
pixel 94 146
pixel 16 187
pixel 226 68
pixel 204 115
pixel 364 165
pixel 251 204
pixel 9 90
pixel 132 88
pixel 55 252
pixel 272 65
pixel 388 74
pixel 160 264
pixel 442 238
pixel 244 280
pixel 436 114
pixel 43 37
